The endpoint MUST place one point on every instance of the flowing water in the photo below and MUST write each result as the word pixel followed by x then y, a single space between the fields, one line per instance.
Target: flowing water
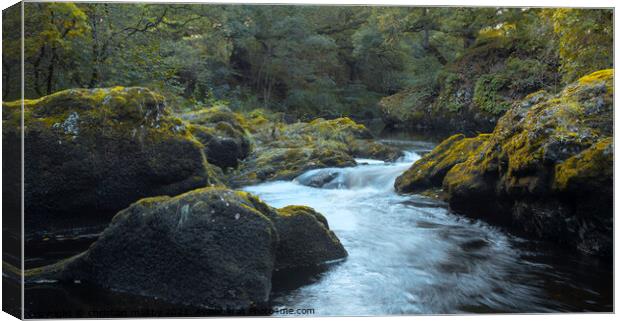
pixel 410 254
pixel 407 254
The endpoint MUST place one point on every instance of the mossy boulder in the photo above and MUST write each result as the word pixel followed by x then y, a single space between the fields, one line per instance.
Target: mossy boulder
pixel 284 151
pixel 589 170
pixel 305 239
pixel 90 153
pixel 341 129
pixel 286 163
pixel 429 171
pixel 223 134
pixel 211 247
pixel 547 167
pixel 343 133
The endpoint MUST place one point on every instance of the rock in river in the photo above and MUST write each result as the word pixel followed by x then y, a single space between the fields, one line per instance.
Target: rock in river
pixel 90 153
pixel 286 151
pixel 222 133
pixel 211 247
pixel 305 238
pixel 430 170
pixel 547 168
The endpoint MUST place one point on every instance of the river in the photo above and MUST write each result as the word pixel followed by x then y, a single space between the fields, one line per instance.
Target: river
pixel 412 255
pixel 408 254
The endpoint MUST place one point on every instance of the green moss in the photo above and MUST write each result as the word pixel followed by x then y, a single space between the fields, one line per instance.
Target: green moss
pixel 284 151
pixel 299 210
pixel 339 129
pixel 429 171
pixel 106 147
pixel 293 210
pixel 542 145
pixel 463 175
pixel 216 115
pixel 449 97
pixel 605 75
pixel 591 167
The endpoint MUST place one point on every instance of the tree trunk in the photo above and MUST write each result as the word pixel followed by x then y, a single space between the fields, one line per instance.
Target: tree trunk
pixel 50 71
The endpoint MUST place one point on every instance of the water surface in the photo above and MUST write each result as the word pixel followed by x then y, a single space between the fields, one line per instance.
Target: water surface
pixel 411 255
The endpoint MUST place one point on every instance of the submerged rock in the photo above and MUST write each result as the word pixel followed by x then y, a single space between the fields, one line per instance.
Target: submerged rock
pixel 318 179
pixel 211 247
pixel 94 152
pixel 547 168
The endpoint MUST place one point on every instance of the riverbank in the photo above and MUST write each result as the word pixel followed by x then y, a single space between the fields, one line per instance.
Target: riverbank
pixel 546 170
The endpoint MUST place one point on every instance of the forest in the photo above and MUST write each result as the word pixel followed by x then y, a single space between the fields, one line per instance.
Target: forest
pixel 220 159
pixel 307 61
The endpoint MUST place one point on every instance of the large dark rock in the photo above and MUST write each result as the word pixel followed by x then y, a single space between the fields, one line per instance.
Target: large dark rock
pixel 222 133
pixel 305 238
pixel 90 153
pixel 547 168
pixel 211 247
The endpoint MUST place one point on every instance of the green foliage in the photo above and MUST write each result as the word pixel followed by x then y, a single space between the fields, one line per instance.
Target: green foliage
pixel 306 61
pixel 585 40
pixel 487 93
pixel 53 32
pixel 449 96
pixel 495 92
pixel 11 52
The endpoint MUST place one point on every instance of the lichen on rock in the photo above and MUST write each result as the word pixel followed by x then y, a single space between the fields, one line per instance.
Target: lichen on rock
pixel 547 149
pixel 430 170
pixel 92 152
pixel 223 133
pixel 220 243
pixel 284 151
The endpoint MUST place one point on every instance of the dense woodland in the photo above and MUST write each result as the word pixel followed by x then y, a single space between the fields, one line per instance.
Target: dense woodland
pixel 307 61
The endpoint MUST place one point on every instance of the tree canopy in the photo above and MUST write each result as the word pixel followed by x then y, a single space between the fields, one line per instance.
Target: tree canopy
pixel 305 60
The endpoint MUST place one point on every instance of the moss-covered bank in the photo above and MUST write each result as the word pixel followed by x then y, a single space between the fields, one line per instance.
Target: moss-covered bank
pixel 547 168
